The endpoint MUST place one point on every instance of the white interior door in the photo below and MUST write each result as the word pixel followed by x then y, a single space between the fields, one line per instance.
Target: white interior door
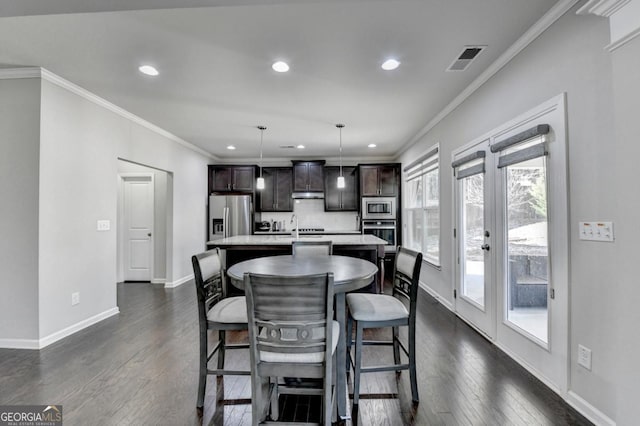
pixel 138 227
pixel 475 286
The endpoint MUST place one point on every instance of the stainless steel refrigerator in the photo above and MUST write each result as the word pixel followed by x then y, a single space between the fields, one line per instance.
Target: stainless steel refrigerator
pixel 229 215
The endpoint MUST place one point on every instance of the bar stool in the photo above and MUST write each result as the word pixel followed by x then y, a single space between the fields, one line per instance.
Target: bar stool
pixel 215 312
pixel 381 310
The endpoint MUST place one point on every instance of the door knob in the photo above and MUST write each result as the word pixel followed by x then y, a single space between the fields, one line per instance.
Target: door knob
pixel 485 247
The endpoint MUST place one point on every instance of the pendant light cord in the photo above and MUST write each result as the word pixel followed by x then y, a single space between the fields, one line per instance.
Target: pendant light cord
pixel 340 126
pixel 262 129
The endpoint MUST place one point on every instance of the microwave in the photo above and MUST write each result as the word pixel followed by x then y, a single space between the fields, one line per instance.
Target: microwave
pixel 378 207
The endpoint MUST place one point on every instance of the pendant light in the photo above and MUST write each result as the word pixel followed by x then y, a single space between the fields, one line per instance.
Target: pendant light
pixel 341 183
pixel 260 181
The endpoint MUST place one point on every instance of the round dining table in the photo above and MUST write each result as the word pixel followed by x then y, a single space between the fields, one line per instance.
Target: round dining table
pixel 349 273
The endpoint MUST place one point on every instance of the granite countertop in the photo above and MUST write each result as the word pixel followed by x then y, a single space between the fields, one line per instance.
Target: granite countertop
pixel 326 232
pixel 286 239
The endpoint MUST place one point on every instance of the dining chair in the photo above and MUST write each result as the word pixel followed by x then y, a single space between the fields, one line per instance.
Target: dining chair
pixel 311 248
pixel 382 310
pixel 291 334
pixel 216 312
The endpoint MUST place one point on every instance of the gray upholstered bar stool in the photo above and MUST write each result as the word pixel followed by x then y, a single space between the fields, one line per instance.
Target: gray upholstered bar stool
pixel 311 248
pixel 291 333
pixel 381 310
pixel 215 312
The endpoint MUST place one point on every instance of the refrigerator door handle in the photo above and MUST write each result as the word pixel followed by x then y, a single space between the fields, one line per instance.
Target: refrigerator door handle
pixel 225 222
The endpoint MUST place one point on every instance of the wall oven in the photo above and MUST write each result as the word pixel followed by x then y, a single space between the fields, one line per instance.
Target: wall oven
pixel 378 207
pixel 385 229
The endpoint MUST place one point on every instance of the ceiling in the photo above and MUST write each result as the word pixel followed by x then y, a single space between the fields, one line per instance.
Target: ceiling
pixel 214 57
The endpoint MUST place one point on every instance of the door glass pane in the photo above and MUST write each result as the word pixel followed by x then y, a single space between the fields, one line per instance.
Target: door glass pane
pixel 527 247
pixel 473 238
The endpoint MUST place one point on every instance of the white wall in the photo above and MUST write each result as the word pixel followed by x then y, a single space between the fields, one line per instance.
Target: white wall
pixel 81 142
pixel 620 280
pixel 569 57
pixel 19 144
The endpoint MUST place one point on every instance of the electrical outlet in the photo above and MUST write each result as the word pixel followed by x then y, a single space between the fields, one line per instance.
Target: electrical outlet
pixel 75 298
pixel 584 357
pixel 103 225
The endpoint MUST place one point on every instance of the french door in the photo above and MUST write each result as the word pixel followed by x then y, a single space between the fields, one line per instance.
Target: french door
pixel 511 239
pixel 475 285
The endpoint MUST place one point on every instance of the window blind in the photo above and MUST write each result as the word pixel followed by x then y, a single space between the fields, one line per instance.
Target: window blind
pixel 528 152
pixel 469 165
pixel 423 165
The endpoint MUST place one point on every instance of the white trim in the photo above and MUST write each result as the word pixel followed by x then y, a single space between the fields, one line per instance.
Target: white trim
pixel 555 13
pixel 58 335
pixel 158 281
pixel 442 300
pixel 604 8
pixel 35 72
pixel 622 41
pixel 589 411
pixel 16 73
pixel 178 282
pixel 19 343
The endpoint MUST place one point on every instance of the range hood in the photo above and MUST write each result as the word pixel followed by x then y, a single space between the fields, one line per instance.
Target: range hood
pixel 307 195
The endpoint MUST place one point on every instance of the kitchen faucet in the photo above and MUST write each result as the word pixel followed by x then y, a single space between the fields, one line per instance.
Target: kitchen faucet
pixel 293 216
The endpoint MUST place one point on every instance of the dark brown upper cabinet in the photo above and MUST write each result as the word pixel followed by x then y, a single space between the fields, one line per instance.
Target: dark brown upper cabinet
pixel 345 199
pixel 226 178
pixel 276 195
pixel 308 176
pixel 379 179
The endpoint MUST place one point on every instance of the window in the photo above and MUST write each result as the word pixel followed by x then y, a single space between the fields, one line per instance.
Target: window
pixel 422 206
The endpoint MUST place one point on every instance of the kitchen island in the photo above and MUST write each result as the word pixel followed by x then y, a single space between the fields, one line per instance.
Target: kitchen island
pixel 243 247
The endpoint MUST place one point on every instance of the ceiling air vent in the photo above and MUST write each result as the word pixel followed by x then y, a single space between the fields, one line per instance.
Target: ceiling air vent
pixel 465 58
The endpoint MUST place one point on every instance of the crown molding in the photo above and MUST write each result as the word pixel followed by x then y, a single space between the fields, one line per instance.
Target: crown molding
pixel 38 72
pixel 17 73
pixel 555 13
pixel 604 8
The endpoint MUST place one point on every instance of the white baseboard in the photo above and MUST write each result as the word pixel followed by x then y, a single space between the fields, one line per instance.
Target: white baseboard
pixel 176 283
pixel 158 281
pixel 444 302
pixel 54 337
pixel 58 335
pixel 589 411
pixel 19 344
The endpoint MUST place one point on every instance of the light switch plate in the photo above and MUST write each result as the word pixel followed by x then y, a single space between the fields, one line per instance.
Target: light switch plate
pixel 103 225
pixel 584 357
pixel 596 231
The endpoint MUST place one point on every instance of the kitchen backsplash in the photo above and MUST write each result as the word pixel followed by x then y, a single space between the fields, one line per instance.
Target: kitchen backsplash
pixel 311 214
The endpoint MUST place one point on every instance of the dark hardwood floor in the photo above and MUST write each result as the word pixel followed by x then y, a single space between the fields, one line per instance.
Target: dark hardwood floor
pixel 140 368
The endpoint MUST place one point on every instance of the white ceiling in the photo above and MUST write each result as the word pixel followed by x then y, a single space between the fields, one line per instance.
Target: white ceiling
pixel 216 83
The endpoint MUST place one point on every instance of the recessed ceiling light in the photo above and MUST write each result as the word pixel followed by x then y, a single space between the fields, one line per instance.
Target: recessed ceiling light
pixel 280 66
pixel 300 146
pixel 371 145
pixel 148 70
pixel 390 64
pixel 231 147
